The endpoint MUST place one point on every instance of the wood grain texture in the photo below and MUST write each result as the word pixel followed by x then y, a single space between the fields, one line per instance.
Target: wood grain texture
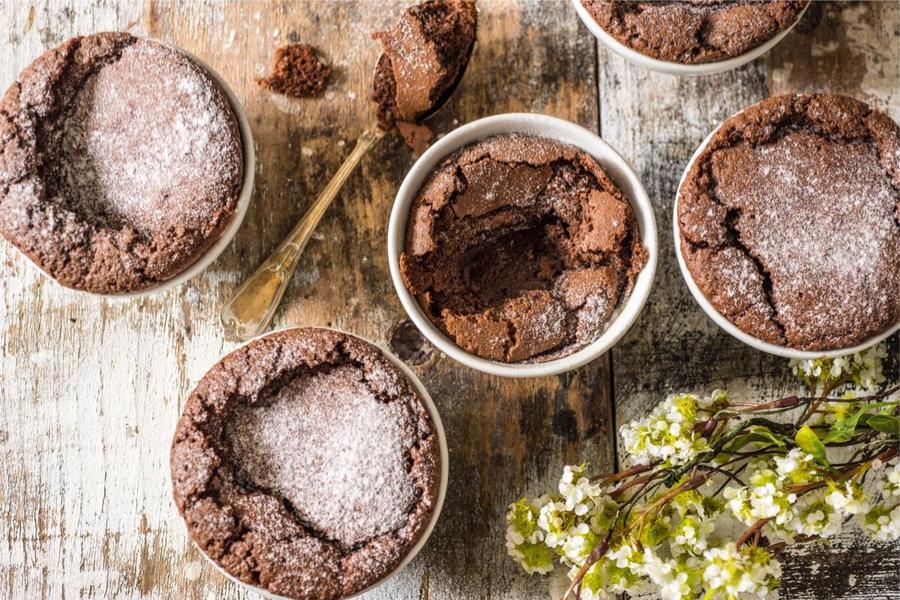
pixel 657 121
pixel 92 388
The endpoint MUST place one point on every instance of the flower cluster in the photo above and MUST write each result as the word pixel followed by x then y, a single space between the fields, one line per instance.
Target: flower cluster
pixel 862 369
pixel 564 526
pixel 776 492
pixel 883 522
pixel 675 549
pixel 717 489
pixel 667 434
pixel 731 572
pixel 525 540
pixel 889 483
pixel 723 571
pixel 840 409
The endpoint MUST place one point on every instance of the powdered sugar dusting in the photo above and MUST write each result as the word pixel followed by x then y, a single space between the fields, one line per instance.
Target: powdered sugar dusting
pixel 149 141
pixel 818 217
pixel 332 449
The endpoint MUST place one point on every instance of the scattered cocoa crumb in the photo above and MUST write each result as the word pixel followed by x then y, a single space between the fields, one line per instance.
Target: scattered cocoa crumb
pixel 419 137
pixel 297 72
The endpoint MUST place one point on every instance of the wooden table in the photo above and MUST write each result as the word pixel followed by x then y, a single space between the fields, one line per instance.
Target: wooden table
pixel 90 388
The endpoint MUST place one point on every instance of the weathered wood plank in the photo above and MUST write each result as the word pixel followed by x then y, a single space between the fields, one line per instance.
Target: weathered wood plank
pixel 657 121
pixel 92 388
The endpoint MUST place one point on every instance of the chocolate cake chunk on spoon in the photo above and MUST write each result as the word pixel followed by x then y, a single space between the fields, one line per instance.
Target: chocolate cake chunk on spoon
pixel 425 57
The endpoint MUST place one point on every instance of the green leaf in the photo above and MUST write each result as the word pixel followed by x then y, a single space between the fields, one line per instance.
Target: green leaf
pixel 842 430
pixel 885 424
pixel 761 435
pixel 756 435
pixel 808 441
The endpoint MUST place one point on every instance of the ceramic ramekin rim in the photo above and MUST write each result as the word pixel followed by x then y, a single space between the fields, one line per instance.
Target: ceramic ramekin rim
pixel 442 448
pixel 554 128
pixel 215 250
pixel 673 68
pixel 720 319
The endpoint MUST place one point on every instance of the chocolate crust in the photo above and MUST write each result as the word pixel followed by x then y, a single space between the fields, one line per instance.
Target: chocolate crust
pixel 812 260
pixel 64 223
pixel 256 534
pixel 521 249
pixel 694 32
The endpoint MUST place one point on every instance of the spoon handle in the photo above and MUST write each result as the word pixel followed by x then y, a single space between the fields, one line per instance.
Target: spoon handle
pixel 250 310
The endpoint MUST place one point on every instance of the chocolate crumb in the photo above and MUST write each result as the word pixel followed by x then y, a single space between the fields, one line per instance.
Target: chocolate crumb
pixel 297 72
pixel 408 344
pixel 418 137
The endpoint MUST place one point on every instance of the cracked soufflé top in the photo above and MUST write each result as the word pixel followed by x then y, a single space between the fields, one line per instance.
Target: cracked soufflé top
pixel 694 31
pixel 521 249
pixel 790 221
pixel 305 463
pixel 121 162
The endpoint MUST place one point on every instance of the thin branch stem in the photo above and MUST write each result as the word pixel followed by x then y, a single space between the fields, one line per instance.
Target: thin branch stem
pixel 753 530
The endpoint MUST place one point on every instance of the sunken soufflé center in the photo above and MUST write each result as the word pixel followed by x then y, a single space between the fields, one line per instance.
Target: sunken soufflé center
pixel 152 152
pixel 521 249
pixel 334 451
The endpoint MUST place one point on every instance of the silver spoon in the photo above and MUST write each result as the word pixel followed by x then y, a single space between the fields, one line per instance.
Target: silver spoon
pixel 249 312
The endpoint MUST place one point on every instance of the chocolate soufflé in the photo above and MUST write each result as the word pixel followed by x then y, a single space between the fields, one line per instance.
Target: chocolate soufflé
pixel 121 162
pixel 694 31
pixel 520 248
pixel 305 463
pixel 424 55
pixel 790 221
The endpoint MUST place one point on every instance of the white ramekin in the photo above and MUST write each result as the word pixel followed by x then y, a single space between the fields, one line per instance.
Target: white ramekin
pixel 615 166
pixel 674 68
pixel 216 249
pixel 720 319
pixel 442 485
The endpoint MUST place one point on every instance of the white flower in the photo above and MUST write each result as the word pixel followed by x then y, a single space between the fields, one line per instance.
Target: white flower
pixel 812 515
pixel 524 539
pixel 793 462
pixel 848 499
pixel 553 521
pixel 620 570
pixel 889 482
pixel 863 369
pixel 578 490
pixel 578 544
pixel 764 498
pixel 730 572
pixel 883 523
pixel 667 434
pixel 672 577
